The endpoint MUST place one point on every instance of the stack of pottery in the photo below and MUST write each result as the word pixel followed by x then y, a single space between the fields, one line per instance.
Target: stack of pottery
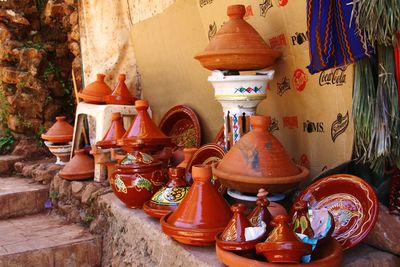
pixel 80 167
pixel 58 139
pixel 95 92
pixel 120 95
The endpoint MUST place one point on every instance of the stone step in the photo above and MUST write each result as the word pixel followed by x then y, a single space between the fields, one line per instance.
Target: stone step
pixel 7 163
pixel 20 196
pixel 46 240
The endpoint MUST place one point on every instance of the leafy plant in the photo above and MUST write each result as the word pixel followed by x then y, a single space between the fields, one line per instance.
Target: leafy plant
pixel 6 142
pixel 88 219
pixel 4 106
pixel 54 195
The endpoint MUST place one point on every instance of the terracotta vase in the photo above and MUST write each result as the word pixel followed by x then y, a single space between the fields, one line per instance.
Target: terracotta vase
pixel 120 95
pixel 258 160
pixel 60 132
pixel 282 244
pixel 95 92
pixel 202 213
pixel 169 196
pixel 301 222
pixel 80 167
pixel 115 132
pixel 261 214
pixel 137 178
pixel 188 155
pixel 237 46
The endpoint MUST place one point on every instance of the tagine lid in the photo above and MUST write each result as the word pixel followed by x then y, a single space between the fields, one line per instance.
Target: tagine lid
pixel 143 129
pixel 237 46
pixel 60 132
pixel 80 167
pixel 120 95
pixel 115 132
pixel 96 91
pixel 138 159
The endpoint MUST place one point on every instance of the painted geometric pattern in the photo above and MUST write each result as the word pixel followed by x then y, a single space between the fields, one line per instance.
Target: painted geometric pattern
pixel 248 90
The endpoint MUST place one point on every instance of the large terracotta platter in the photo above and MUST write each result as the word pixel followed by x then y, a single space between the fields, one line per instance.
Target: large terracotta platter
pixel 182 125
pixel 352 202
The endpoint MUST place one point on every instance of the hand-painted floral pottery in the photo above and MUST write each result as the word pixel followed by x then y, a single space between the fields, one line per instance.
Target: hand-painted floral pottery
pixel 237 46
pixel 120 95
pixel 202 213
pixel 300 221
pixel 282 244
pixel 351 201
pixel 187 156
pixel 115 132
pixel 143 129
pixel 258 160
pixel 137 178
pixel 60 132
pixel 169 196
pixel 182 125
pixel 260 214
pixel 329 254
pixel 95 92
pixel 80 167
pixel 61 151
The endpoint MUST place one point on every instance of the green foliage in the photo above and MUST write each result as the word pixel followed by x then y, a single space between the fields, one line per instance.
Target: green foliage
pixel 54 195
pixel 51 69
pixel 36 45
pixel 88 220
pixel 4 106
pixel 6 142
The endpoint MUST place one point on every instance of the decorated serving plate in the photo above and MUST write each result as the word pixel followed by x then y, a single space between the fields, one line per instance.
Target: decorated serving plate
pixel 351 201
pixel 219 138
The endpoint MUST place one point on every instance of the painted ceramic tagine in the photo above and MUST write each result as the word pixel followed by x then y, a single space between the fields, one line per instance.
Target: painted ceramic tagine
pixel 237 46
pixel 120 95
pixel 202 213
pixel 169 196
pixel 282 244
pixel 95 92
pixel 258 160
pixel 115 132
pixel 80 167
pixel 138 177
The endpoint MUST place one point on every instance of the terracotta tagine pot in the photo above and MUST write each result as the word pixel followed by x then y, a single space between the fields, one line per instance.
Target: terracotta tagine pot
pixel 137 178
pixel 120 95
pixel 301 221
pixel 115 132
pixel 188 155
pixel 169 196
pixel 60 132
pixel 282 244
pixel 144 129
pixel 237 46
pixel 80 167
pixel 202 213
pixel 261 214
pixel 258 160
pixel 95 92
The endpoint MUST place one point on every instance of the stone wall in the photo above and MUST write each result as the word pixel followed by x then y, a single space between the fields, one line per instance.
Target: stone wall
pixel 39 45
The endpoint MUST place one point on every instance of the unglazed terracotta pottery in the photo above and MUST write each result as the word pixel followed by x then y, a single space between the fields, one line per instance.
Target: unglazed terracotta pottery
pixel 329 254
pixel 258 160
pixel 182 125
pixel 137 178
pixel 115 132
pixel 60 132
pixel 120 95
pixel 96 91
pixel 143 129
pixel 188 155
pixel 237 46
pixel 61 151
pixel 351 201
pixel 202 213
pixel 301 222
pixel 80 167
pixel 282 244
pixel 169 196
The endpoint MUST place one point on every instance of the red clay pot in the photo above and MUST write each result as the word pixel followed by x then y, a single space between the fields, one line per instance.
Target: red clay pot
pixel 202 213
pixel 261 213
pixel 60 132
pixel 115 132
pixel 258 160
pixel 95 92
pixel 237 46
pixel 120 95
pixel 80 167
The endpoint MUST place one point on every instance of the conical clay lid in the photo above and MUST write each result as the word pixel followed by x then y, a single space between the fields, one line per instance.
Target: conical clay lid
pixel 120 94
pixel 115 132
pixel 80 167
pixel 95 91
pixel 60 132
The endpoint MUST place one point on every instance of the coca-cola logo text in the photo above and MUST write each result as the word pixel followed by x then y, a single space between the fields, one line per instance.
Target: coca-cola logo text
pixel 333 77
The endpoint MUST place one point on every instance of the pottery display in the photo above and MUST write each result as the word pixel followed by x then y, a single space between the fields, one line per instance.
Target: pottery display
pixel 329 254
pixel 188 155
pixel 61 151
pixel 60 132
pixel 301 222
pixel 80 167
pixel 182 125
pixel 202 213
pixel 114 133
pixel 282 244
pixel 120 95
pixel 237 46
pixel 169 196
pixel 95 92
pixel 351 201
pixel 258 160
pixel 137 178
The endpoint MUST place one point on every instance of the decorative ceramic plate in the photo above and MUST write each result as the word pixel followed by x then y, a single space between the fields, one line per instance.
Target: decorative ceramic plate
pixel 182 125
pixel 352 202
pixel 219 138
pixel 207 154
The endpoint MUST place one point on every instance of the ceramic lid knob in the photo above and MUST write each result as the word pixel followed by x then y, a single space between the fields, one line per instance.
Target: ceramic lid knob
pixel 177 177
pixel 201 173
pixel 115 116
pixel 236 11
pixel 121 77
pixel 260 123
pixel 141 104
